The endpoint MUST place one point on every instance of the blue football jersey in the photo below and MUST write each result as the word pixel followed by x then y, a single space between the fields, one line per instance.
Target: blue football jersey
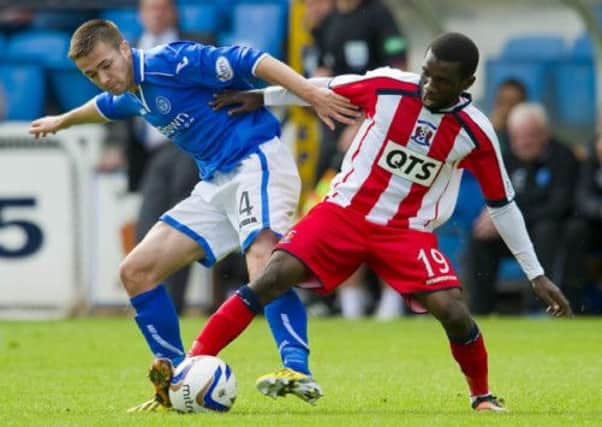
pixel 175 84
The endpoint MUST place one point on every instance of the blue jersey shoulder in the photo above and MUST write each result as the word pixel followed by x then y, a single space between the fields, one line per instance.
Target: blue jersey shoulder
pixel 193 63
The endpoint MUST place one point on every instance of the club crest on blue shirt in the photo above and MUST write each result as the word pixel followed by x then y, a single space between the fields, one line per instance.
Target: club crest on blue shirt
pixel 423 132
pixel 163 105
pixel 223 69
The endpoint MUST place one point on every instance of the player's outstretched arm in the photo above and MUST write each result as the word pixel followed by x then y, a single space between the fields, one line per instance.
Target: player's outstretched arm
pixel 327 104
pixel 86 113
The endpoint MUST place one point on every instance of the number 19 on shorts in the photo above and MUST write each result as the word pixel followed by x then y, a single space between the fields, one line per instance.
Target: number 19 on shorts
pixel 436 266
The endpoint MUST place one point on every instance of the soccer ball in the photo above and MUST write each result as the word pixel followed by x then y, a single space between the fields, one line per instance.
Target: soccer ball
pixel 202 383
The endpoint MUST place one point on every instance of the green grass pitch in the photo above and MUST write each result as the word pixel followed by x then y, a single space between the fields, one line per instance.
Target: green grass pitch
pixel 87 372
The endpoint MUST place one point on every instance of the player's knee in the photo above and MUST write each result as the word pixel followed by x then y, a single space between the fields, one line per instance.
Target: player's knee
pixel 454 316
pixel 134 276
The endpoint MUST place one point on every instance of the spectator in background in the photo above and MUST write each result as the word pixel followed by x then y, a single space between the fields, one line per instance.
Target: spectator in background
pixel 316 12
pixel 542 172
pixel 582 234
pixel 359 35
pixel 15 18
pixel 509 93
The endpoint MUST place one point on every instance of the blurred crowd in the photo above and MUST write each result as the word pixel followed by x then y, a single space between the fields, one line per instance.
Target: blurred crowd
pixel 558 188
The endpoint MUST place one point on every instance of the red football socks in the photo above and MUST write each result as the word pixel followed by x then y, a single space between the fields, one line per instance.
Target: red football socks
pixel 223 326
pixel 472 358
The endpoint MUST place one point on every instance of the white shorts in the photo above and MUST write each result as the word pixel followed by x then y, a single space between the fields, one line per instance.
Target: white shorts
pixel 228 211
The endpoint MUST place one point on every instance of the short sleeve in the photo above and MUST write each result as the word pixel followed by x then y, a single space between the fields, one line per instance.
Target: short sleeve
pixel 115 107
pixel 485 162
pixel 362 90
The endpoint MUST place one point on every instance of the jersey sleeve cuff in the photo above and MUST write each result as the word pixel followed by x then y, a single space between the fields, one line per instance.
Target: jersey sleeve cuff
pixel 99 110
pixel 261 57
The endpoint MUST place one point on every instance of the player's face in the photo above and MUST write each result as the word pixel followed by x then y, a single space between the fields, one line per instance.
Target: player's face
pixel 441 82
pixel 110 69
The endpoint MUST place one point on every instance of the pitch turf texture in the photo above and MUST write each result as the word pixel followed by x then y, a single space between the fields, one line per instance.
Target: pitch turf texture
pixel 87 372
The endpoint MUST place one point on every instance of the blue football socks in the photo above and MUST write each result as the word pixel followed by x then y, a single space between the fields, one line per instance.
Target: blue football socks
pixel 288 320
pixel 157 319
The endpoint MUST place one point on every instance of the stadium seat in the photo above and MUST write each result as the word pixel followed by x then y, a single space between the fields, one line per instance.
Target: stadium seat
pixel 24 91
pixel 223 11
pixel 198 18
pixel 509 270
pixel 583 48
pixel 535 76
pixel 575 86
pixel 61 20
pixel 247 18
pixel 259 41
pixel 70 87
pixel 128 22
pixel 46 48
pixel 267 18
pixel 534 48
pixel 530 60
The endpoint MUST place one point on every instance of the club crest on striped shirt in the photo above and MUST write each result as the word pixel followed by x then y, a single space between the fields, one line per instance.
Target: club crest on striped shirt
pixel 423 133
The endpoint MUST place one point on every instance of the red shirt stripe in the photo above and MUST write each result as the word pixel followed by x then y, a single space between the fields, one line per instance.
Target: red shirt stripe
pixel 483 162
pixel 400 130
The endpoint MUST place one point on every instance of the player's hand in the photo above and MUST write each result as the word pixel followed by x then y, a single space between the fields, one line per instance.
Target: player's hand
pixel 545 289
pixel 330 105
pixel 245 101
pixel 45 125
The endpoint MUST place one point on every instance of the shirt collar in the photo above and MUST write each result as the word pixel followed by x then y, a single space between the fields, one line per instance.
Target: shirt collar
pixel 138 64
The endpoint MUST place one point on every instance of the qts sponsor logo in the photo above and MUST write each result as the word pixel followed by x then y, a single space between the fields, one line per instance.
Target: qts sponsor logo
pixel 408 164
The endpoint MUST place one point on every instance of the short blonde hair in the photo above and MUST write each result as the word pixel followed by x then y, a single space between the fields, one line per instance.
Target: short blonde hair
pixel 88 34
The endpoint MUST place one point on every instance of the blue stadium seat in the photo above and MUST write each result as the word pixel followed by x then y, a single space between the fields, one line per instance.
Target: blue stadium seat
pixel 535 76
pixel 534 48
pixel 46 48
pixel 583 48
pixel 529 59
pixel 223 11
pixel 128 22
pixel 60 19
pixel 509 270
pixel 24 91
pixel 575 102
pixel 259 41
pixel 198 18
pixel 70 87
pixel 575 86
pixel 267 18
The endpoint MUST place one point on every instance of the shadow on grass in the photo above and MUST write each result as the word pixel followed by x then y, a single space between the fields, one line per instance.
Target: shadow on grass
pixel 413 412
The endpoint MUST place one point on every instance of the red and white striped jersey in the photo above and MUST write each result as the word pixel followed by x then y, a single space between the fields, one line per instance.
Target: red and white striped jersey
pixel 404 166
